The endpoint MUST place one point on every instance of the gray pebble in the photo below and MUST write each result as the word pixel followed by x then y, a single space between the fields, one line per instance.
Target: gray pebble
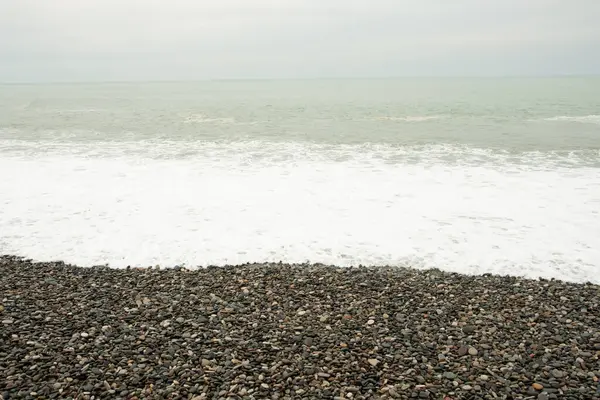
pixel 250 337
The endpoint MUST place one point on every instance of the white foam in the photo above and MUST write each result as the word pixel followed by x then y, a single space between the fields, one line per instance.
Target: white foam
pixel 204 119
pixel 585 119
pixel 459 209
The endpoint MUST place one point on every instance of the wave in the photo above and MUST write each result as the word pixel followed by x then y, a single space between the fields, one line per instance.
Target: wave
pixel 267 152
pixel 201 118
pixel 584 119
pixel 62 110
pixel 79 110
pixel 410 118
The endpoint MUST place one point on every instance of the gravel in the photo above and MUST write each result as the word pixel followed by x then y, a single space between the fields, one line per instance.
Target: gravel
pixel 281 331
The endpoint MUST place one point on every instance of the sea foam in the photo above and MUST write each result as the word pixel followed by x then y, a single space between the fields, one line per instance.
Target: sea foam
pixel 456 208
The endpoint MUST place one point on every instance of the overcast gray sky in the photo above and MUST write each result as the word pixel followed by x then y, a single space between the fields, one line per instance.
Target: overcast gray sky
pixel 79 40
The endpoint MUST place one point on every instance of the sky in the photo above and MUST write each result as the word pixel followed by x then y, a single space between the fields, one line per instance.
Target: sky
pixel 120 40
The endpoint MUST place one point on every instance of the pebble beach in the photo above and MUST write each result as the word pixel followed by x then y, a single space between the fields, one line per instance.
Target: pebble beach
pixel 279 331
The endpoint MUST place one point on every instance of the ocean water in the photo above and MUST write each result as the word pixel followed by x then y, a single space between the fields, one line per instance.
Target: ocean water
pixel 466 175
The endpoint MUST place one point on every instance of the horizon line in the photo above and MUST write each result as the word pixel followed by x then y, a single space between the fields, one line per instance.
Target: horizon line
pixel 247 79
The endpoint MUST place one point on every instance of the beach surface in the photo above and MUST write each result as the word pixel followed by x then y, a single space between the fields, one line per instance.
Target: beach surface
pixel 280 331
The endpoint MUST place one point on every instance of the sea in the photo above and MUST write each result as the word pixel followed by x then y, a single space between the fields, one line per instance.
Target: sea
pixel 480 175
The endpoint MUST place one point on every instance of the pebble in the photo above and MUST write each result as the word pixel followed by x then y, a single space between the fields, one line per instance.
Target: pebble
pixel 252 338
pixel 449 375
pixel 468 329
pixel 557 374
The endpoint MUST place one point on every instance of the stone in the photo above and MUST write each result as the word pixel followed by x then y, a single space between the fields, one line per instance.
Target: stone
pixel 165 323
pixel 557 374
pixel 449 375
pixel 468 329
pixel 231 345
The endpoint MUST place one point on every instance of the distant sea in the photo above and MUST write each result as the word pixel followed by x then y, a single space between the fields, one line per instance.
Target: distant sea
pixel 466 175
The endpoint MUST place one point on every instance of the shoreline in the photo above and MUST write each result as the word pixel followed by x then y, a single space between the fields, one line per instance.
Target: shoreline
pixel 397 267
pixel 293 331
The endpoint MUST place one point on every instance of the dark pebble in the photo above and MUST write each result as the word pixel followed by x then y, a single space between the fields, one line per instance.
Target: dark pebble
pixel 468 329
pixel 292 332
